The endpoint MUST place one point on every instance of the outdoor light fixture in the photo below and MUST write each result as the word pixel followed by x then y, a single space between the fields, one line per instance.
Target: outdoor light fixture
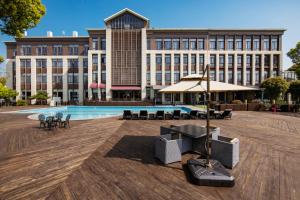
pixel 209 172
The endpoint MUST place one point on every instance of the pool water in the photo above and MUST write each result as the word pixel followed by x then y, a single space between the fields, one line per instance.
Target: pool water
pixel 93 112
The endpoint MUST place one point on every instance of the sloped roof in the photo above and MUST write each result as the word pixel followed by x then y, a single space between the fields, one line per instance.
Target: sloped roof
pixel 125 10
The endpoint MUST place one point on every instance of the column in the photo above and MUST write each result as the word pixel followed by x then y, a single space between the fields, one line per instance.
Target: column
pixel 253 70
pixel 172 68
pixel 189 63
pixel 235 69
pixel 163 69
pixel 271 65
pixel 65 80
pixel 262 68
pixel 197 63
pixel 181 97
pixel 49 78
pixel 244 68
pixel 206 61
pixel 90 76
pixel 152 69
pixel 18 78
pixel 80 79
pixel 108 64
pixel 144 63
pixel 217 67
pixel 33 78
pixel 226 68
pixel 99 74
pixel 181 66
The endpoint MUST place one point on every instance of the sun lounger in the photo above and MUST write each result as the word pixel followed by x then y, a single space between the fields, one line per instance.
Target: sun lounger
pixel 225 115
pixel 160 114
pixel 193 114
pixel 176 114
pixel 127 114
pixel 42 120
pixel 143 114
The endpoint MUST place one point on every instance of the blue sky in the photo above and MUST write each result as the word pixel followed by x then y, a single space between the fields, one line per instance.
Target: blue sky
pixel 66 16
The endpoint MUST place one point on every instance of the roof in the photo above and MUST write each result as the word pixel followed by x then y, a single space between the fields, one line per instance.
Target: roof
pixel 124 11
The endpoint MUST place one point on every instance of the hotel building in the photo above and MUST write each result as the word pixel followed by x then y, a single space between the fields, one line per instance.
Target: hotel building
pixel 130 60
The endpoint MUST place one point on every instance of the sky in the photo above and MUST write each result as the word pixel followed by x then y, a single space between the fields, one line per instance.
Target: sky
pixel 65 16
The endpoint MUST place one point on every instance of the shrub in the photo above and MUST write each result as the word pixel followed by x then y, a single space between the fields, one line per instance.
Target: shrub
pixel 21 103
pixel 236 101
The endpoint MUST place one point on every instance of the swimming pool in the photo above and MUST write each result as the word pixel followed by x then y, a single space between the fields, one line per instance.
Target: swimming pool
pixel 93 112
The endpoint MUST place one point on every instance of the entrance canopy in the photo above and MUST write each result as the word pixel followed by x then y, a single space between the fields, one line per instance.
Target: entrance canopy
pixel 199 84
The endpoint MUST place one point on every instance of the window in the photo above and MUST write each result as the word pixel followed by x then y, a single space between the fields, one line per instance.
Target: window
pixel 25 50
pixel 148 44
pixel 25 63
pixel 213 75
pixel 85 63
pixel 201 63
pixel 239 44
pixel 185 59
pixel 248 77
pixel 95 59
pixel 26 78
pixel 73 63
pixel 95 42
pixel 266 43
pixel 85 50
pixel 221 60
pixel 73 50
pixel 230 43
pixel 168 44
pixel 257 78
pixel 148 61
pixel 248 43
pixel 41 50
pixel 276 60
pixel 167 77
pixel 176 44
pixel 41 78
pixel 185 44
pixel 176 59
pixel 256 44
pixel 267 60
pixel 103 44
pixel 148 78
pixel 274 44
pixel 213 60
pixel 193 44
pixel 159 44
pixel 95 77
pixel 239 61
pixel 158 59
pixel 230 61
pixel 158 78
pixel 230 76
pixel 248 61
pixel 201 44
pixel 57 50
pixel 176 76
pixel 57 63
pixel 221 43
pixel 266 74
pixel 168 60
pixel 57 78
pixel 239 76
pixel 257 61
pixel 212 44
pixel 221 76
pixel 41 63
pixel 103 76
pixel 72 78
pixel 103 59
pixel 193 62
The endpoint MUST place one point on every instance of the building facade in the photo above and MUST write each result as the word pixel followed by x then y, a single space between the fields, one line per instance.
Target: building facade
pixel 130 61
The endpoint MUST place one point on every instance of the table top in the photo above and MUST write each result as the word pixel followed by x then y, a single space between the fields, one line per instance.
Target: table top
pixel 190 130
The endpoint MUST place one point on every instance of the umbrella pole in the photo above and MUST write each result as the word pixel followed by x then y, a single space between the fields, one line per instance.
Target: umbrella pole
pixel 207 116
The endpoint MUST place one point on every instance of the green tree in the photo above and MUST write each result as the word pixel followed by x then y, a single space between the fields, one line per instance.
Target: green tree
pixel 294 89
pixel 274 87
pixel 1 59
pixel 16 16
pixel 7 93
pixel 3 81
pixel 41 97
pixel 294 55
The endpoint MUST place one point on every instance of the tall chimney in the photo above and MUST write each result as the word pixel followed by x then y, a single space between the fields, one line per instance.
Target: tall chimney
pixel 49 34
pixel 75 34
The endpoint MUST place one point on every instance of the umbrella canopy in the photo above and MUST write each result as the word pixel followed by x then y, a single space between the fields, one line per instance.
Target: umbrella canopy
pixel 94 86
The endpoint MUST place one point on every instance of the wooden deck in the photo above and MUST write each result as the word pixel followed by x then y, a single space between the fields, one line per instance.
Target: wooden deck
pixel 113 159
